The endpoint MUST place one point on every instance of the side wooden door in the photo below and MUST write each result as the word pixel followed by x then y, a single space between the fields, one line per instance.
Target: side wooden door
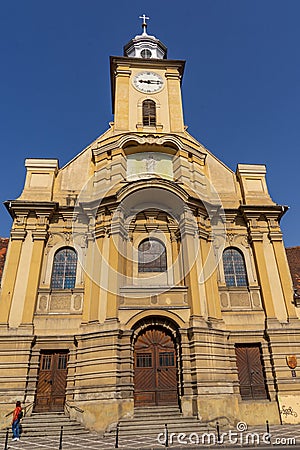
pixel 52 380
pixel 155 370
pixel 250 372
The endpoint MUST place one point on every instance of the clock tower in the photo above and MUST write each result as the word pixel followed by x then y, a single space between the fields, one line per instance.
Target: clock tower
pixel 146 87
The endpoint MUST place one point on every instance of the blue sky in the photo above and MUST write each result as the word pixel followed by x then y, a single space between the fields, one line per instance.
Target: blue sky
pixel 241 88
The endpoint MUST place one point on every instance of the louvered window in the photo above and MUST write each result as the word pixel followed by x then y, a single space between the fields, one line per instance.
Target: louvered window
pixel 251 372
pixel 149 113
pixel 234 267
pixel 152 256
pixel 64 269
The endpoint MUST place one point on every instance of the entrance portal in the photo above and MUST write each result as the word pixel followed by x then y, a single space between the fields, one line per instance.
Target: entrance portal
pixel 155 371
pixel 51 387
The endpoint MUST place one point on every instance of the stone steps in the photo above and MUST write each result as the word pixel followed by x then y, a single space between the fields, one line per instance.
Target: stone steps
pixel 37 424
pixel 151 421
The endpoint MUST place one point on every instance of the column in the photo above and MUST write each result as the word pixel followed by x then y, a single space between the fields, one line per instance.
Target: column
pixel 122 98
pixel 284 274
pixel 190 249
pixel 117 239
pixel 174 98
pixel 177 275
pixel 87 278
pixel 258 249
pixel 10 273
pixel 210 278
pixel 38 238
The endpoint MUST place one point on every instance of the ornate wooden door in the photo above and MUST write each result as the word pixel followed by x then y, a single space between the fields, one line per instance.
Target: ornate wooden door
pixel 51 387
pixel 155 371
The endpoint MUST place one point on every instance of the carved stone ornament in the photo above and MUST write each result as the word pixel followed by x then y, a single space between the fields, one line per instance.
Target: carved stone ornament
pixel 291 361
pixel 20 220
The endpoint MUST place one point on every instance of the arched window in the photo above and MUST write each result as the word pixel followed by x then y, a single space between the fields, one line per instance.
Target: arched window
pixel 64 269
pixel 234 267
pixel 152 256
pixel 149 113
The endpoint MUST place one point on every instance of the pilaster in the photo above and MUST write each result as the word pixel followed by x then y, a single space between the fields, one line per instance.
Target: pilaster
pixel 210 279
pixel 190 250
pixel 284 273
pixel 38 237
pixel 117 241
pixel 10 275
pixel 122 98
pixel 174 98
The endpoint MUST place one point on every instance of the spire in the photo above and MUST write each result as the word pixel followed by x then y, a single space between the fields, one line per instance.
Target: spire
pixel 144 45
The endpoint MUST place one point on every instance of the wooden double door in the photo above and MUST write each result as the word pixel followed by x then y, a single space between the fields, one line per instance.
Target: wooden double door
pixel 52 380
pixel 155 369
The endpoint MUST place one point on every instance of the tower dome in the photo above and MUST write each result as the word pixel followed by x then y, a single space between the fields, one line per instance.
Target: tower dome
pixel 144 45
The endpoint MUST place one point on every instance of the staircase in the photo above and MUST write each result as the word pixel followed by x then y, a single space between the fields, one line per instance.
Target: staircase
pixel 50 423
pixel 150 421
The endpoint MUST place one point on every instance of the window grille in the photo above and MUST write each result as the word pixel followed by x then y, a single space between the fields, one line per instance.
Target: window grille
pixel 64 269
pixel 144 360
pixel 149 113
pixel 62 361
pixel 46 362
pixel 166 359
pixel 152 256
pixel 234 268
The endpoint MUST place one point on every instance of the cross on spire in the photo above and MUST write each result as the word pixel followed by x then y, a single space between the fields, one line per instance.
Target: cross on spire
pixel 144 24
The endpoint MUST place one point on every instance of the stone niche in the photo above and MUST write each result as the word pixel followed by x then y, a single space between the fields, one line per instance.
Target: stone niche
pixel 60 302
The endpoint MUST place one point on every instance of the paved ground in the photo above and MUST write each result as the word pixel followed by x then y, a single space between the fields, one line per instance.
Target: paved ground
pixel 285 436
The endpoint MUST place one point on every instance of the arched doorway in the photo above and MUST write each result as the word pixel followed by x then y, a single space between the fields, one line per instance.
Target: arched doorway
pixel 155 368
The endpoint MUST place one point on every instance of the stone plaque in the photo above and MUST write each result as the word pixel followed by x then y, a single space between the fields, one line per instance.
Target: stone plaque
pixel 60 302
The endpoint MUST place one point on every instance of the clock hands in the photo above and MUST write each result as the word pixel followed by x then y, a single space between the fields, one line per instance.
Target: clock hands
pixel 150 81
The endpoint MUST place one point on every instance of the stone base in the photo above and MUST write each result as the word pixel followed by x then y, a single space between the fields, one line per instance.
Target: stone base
pixel 99 415
pixel 232 410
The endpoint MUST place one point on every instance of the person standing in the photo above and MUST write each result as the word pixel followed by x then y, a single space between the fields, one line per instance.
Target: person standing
pixel 17 416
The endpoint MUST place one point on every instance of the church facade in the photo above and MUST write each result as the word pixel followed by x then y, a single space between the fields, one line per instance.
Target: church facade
pixel 147 273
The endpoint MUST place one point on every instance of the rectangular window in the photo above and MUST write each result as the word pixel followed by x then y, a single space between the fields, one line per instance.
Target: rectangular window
pixel 144 360
pixel 166 359
pixel 46 362
pixel 62 361
pixel 250 372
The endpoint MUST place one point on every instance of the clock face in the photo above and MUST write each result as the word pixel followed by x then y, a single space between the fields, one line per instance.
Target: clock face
pixel 148 82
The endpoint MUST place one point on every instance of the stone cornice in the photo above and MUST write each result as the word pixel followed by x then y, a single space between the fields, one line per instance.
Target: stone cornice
pixel 270 212
pixel 19 207
pixel 174 141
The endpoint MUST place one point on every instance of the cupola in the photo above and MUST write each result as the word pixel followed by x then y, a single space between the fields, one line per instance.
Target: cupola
pixel 145 46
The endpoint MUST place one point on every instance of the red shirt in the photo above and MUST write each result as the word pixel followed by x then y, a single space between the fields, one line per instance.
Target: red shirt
pixel 16 413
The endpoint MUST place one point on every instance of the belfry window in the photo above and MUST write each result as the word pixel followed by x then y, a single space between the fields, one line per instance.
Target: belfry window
pixel 64 269
pixel 152 256
pixel 149 113
pixel 146 53
pixel 234 268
